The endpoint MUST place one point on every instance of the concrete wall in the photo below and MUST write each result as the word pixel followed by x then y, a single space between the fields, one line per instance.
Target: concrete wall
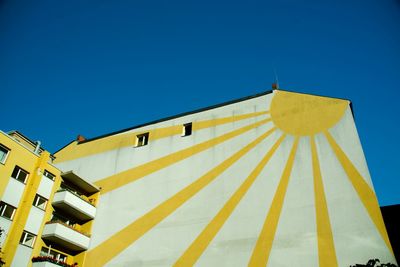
pixel 310 201
pixel 22 256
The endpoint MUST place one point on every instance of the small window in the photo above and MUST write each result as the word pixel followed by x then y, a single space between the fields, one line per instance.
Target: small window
pixel 49 175
pixel 3 153
pixel 20 174
pixel 6 210
pixel 142 139
pixel 40 202
pixel 27 239
pixel 187 129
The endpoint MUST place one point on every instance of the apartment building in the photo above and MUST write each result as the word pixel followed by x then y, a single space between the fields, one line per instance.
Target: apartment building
pixel 45 214
pixel 275 179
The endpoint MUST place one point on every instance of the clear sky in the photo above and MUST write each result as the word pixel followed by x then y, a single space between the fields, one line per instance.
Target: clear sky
pixel 94 66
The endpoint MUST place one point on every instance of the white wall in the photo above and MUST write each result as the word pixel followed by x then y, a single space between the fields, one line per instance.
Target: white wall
pixel 34 220
pixel 5 224
pixel 22 256
pixel 45 187
pixel 13 192
pixel 296 241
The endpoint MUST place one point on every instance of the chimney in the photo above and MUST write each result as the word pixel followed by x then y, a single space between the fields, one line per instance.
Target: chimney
pixel 80 138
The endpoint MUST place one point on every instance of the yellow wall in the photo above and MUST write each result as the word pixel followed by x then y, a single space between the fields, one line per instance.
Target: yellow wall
pixel 24 207
pixel 35 165
pixel 18 155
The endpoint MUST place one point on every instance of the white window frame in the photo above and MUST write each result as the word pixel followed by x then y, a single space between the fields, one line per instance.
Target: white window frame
pixel 25 235
pixel 19 171
pixel 185 129
pixel 3 209
pixel 5 155
pixel 36 202
pixel 142 139
pixel 47 174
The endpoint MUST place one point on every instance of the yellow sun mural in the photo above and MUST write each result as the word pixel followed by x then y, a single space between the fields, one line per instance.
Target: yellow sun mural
pixel 266 181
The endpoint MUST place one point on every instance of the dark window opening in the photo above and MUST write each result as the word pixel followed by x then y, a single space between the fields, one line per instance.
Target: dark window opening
pixel 142 139
pixel 27 239
pixel 4 151
pixel 187 129
pixel 7 210
pixel 20 174
pixel 40 202
pixel 49 175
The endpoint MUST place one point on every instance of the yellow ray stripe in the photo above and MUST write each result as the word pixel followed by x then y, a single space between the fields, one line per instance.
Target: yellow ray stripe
pixel 128 139
pixel 124 238
pixel 120 179
pixel 264 243
pixel 192 254
pixel 365 193
pixel 326 246
pixel 198 125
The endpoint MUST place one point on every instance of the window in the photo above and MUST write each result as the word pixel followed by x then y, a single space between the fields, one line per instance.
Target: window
pixel 47 252
pixel 27 239
pixel 187 129
pixel 142 139
pixel 49 175
pixel 20 174
pixel 3 153
pixel 40 202
pixel 6 210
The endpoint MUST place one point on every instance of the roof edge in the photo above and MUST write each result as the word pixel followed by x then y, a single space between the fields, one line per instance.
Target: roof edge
pixel 196 111
pixel 177 116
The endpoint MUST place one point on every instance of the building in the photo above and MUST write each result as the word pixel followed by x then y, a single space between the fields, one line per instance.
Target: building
pixel 45 214
pixel 275 179
pixel 392 221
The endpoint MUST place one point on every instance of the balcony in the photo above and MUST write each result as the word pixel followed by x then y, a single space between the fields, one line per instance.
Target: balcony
pixel 85 186
pixel 46 264
pixel 45 261
pixel 65 236
pixel 74 205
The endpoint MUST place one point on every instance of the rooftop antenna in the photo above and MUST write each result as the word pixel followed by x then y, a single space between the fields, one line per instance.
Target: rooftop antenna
pixel 275 85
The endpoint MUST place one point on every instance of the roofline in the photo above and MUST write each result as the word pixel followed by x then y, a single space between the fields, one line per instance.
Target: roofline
pixel 177 116
pixel 196 111
pixel 390 206
pixel 6 134
pixel 346 99
pixel 64 147
pixel 340 98
pixel 33 143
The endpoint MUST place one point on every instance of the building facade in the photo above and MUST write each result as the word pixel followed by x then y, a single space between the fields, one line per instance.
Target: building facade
pixel 45 214
pixel 276 179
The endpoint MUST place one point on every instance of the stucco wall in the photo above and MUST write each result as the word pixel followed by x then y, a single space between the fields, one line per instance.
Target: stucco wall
pixel 219 206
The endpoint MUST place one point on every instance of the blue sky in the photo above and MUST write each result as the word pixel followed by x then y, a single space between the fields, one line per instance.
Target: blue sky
pixel 92 67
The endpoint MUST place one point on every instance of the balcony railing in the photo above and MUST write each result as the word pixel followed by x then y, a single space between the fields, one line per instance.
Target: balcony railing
pixel 48 261
pixel 73 205
pixel 89 201
pixel 69 226
pixel 66 236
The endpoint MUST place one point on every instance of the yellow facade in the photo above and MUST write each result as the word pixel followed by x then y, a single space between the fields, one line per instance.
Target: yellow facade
pixel 31 210
pixel 277 179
